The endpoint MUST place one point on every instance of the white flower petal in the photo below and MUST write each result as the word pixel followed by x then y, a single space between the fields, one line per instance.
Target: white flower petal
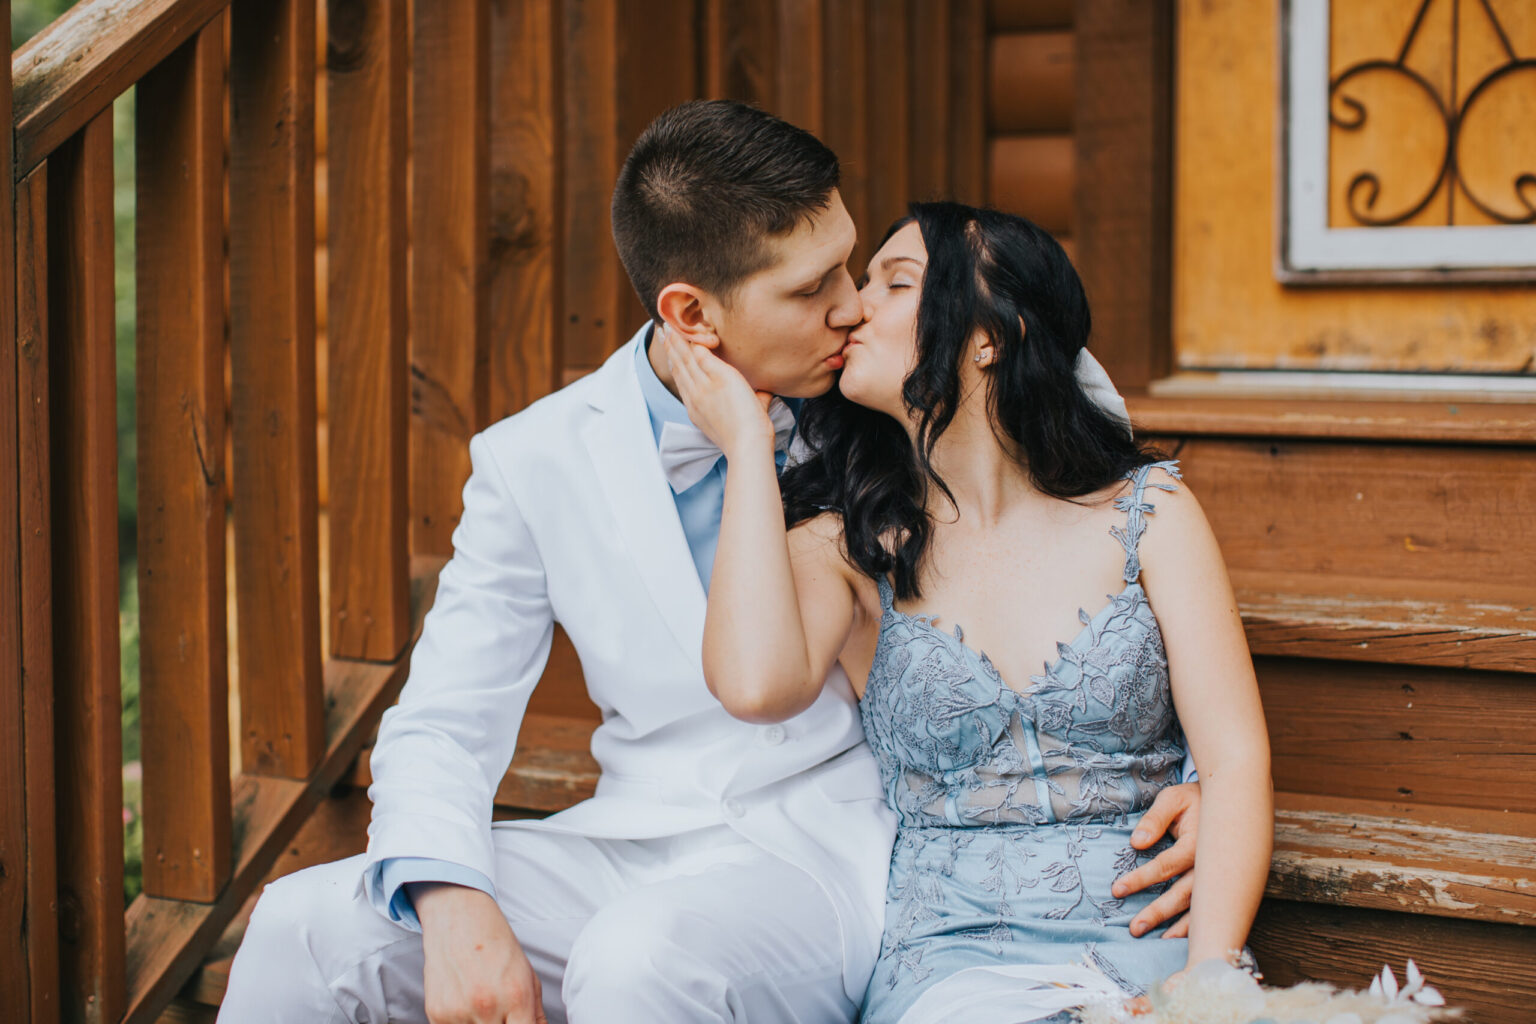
pixel 1388 983
pixel 1415 979
pixel 1428 997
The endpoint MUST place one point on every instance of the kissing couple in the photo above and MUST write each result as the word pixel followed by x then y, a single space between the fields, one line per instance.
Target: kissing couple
pixel 905 651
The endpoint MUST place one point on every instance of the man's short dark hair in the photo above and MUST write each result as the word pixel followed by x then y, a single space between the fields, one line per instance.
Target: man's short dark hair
pixel 705 187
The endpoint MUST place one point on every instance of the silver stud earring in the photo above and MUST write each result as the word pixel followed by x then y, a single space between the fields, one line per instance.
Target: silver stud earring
pixel 978 357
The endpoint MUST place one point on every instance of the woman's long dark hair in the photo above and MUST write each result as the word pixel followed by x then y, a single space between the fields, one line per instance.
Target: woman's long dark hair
pixel 988 271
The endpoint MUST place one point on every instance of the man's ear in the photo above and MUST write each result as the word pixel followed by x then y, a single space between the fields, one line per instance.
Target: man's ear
pixel 683 309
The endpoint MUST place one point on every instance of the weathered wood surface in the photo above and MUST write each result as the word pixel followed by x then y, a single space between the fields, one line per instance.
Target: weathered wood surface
pixel 1409 622
pixel 36 608
pixel 1032 82
pixel 1445 861
pixel 1123 139
pixel 450 190
pixel 72 71
pixel 1482 967
pixel 1390 732
pixel 1454 422
pixel 367 373
pixel 272 313
pixel 183 650
pixel 168 939
pixel 86 688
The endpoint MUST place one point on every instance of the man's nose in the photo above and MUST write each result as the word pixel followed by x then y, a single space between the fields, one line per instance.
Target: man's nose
pixel 847 307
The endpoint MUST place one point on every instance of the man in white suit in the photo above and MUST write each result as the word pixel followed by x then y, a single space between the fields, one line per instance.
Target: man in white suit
pixel 723 871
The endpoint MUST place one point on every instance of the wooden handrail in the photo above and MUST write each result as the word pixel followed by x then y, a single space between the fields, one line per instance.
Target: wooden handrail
pixel 76 67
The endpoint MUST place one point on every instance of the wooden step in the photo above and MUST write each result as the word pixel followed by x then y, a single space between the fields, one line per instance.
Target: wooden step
pixel 1442 861
pixel 1392 621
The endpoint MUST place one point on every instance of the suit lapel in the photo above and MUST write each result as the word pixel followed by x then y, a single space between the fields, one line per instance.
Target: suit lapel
pixel 629 470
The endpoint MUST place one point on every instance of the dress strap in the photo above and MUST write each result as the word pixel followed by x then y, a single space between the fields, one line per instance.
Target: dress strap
pixel 887 593
pixel 1136 509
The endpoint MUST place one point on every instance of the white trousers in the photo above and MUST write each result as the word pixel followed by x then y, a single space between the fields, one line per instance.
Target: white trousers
pixel 698 927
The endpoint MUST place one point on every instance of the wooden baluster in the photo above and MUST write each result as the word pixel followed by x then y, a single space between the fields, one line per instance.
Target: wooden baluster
pixel 272 350
pixel 368 413
pixel 527 190
pixel 449 235
pixel 88 702
pixel 37 590
pixel 183 650
pixel 15 835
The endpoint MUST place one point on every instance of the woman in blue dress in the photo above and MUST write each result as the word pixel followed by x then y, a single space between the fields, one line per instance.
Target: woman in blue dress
pixel 1032 608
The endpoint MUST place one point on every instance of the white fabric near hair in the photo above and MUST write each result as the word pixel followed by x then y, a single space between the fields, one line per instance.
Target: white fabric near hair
pixel 1100 389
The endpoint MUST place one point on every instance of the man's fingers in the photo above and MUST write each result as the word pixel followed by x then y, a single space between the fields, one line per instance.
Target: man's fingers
pixel 1174 901
pixel 1175 860
pixel 1170 803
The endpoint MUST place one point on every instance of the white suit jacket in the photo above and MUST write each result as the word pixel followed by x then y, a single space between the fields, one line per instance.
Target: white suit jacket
pixel 568 518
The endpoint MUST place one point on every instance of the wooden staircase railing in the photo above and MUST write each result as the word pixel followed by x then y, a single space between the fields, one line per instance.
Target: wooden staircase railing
pixel 225 264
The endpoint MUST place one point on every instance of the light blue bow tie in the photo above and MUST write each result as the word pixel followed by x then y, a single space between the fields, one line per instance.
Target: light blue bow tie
pixel 687 453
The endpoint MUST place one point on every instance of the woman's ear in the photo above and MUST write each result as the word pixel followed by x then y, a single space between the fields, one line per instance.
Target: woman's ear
pixel 682 308
pixel 983 350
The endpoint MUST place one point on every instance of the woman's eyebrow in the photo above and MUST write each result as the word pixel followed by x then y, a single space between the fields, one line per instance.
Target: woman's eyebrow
pixel 889 261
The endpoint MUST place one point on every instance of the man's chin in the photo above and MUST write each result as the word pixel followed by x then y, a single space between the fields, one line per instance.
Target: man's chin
pixel 813 388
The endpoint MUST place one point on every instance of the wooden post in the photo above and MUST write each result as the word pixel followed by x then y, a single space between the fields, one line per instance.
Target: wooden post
pixel 1123 222
pixel 87 696
pixel 183 649
pixel 449 238
pixel 15 834
pixel 272 350
pixel 42 930
pixel 366 88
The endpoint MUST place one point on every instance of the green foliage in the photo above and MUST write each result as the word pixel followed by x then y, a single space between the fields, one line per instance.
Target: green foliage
pixel 29 17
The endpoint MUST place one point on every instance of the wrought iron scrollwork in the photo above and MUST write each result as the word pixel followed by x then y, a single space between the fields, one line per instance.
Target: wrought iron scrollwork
pixel 1348 113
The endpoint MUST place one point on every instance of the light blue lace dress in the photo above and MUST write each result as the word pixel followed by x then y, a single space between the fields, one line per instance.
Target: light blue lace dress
pixel 1016 806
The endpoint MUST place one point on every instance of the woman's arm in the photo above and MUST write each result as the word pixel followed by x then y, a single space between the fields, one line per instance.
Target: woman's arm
pixel 1217 699
pixel 776 620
